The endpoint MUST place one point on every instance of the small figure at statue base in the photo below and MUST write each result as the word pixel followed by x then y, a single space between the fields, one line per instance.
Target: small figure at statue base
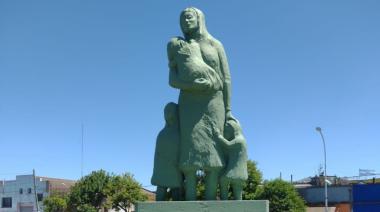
pixel 235 148
pixel 166 174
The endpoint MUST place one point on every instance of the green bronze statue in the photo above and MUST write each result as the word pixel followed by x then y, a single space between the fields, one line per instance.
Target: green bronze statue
pixel 198 67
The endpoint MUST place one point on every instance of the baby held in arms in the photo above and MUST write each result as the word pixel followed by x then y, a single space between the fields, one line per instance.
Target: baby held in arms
pixel 187 58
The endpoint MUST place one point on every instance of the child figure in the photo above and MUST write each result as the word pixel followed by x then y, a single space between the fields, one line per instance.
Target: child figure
pixel 166 174
pixel 187 60
pixel 235 148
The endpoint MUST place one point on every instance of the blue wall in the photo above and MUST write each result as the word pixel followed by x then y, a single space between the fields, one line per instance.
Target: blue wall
pixel 366 207
pixel 366 198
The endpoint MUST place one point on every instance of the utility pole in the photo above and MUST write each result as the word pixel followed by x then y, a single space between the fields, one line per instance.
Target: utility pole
pixel 325 172
pixel 82 150
pixel 35 191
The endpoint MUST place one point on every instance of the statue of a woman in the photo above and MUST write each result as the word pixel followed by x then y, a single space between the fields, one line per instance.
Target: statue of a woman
pixel 199 68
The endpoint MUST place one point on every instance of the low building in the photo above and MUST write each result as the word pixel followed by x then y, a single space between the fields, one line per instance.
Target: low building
pixel 150 194
pixel 343 194
pixel 19 195
pixel 315 195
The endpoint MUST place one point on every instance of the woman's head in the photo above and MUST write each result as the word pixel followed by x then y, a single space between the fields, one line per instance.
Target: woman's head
pixel 189 20
pixel 193 24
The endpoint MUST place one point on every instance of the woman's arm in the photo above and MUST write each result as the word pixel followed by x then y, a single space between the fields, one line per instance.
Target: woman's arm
pixel 226 79
pixel 198 84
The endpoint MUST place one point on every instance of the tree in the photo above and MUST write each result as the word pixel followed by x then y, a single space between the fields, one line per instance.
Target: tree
pixel 86 208
pixel 282 196
pixel 123 192
pixel 88 193
pixel 200 185
pixel 254 179
pixel 55 203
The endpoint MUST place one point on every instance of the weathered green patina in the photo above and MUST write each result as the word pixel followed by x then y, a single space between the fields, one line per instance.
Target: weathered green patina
pixel 207 137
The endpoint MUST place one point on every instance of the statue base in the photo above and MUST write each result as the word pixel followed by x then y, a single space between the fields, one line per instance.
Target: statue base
pixel 203 206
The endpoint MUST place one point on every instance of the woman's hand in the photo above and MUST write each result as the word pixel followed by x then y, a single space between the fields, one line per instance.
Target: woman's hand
pixel 230 117
pixel 202 84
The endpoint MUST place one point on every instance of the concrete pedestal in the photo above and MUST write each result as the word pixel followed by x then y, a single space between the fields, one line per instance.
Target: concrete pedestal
pixel 204 206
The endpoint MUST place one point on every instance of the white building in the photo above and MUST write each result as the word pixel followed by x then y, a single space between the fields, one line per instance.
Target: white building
pixel 19 196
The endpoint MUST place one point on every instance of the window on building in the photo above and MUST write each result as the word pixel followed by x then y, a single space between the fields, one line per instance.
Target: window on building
pixel 21 191
pixel 29 190
pixel 6 202
pixel 40 197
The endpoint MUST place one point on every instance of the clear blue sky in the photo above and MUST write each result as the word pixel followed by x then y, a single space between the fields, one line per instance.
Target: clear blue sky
pixel 295 65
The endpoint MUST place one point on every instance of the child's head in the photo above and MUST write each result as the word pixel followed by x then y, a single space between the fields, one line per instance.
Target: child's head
pixel 232 129
pixel 171 113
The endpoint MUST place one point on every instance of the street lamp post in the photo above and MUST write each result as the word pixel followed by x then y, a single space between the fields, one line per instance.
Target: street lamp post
pixel 325 174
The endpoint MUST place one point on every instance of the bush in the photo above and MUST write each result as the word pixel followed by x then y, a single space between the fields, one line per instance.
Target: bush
pixel 55 203
pixel 123 192
pixel 100 190
pixel 282 197
pixel 254 179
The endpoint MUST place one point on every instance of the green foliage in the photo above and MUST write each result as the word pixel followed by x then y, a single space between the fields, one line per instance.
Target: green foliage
pixel 200 185
pixel 55 203
pixel 254 179
pixel 89 192
pixel 282 196
pixel 123 191
pixel 86 208
pixel 101 190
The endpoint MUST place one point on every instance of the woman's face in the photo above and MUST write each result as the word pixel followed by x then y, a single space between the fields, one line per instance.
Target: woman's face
pixel 189 22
